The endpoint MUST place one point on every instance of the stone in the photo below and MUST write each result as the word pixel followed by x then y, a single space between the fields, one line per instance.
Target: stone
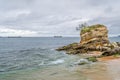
pixel 69 47
pixel 93 38
pixel 115 44
pixel 92 59
pixel 82 62
pixel 114 51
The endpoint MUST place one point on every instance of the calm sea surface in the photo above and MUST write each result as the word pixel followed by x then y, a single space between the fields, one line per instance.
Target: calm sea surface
pixel 21 54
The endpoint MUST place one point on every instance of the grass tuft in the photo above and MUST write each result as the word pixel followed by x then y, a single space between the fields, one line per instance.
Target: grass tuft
pixel 89 28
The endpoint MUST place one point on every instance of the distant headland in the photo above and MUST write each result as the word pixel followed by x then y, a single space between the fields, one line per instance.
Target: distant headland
pixel 11 37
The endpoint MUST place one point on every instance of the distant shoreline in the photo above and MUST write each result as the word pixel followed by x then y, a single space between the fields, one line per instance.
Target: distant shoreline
pixel 51 37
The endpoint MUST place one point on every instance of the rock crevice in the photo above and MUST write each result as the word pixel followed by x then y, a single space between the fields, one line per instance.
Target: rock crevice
pixel 93 38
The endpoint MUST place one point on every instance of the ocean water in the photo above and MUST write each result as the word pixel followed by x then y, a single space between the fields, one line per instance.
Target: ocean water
pixel 21 55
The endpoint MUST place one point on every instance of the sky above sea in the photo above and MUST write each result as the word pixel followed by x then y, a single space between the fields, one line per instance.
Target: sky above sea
pixel 56 17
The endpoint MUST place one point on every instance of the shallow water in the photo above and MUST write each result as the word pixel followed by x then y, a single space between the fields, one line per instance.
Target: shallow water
pixel 36 59
pixel 95 71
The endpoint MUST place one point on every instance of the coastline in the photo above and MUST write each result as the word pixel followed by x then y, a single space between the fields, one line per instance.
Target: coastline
pixel 102 70
pixel 97 49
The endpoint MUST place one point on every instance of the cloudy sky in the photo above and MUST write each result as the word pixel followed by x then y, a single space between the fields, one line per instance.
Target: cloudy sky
pixel 56 17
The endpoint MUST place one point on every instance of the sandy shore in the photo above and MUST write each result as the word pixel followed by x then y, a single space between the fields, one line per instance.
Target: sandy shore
pixel 113 67
pixel 103 70
pixel 106 69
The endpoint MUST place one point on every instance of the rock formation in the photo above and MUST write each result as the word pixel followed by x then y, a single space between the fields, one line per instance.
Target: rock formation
pixel 93 38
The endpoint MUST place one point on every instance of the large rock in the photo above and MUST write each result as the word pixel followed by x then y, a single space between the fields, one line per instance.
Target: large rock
pixel 113 51
pixel 93 38
pixel 68 47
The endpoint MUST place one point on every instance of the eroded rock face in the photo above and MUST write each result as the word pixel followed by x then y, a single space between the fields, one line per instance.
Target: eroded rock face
pixel 114 51
pixel 95 36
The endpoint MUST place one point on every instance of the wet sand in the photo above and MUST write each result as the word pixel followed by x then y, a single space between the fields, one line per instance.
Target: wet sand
pixel 104 70
pixel 109 58
pixel 113 67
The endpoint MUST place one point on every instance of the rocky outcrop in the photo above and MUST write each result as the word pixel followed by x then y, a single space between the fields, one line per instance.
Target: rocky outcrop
pixel 93 38
pixel 115 50
pixel 68 47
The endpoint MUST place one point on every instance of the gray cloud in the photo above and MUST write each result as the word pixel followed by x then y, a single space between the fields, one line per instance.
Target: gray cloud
pixel 57 17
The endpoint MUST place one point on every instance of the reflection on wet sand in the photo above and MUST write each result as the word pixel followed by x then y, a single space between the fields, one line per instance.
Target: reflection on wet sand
pixel 96 71
pixel 105 70
pixel 114 68
pixel 102 70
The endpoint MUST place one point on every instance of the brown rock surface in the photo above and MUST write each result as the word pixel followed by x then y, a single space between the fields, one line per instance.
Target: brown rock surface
pixel 93 38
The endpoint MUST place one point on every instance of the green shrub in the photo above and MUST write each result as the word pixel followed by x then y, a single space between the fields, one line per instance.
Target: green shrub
pixel 93 59
pixel 89 28
pixel 116 55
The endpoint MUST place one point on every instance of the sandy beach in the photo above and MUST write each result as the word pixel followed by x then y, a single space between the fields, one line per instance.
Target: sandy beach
pixel 59 40
pixel 104 70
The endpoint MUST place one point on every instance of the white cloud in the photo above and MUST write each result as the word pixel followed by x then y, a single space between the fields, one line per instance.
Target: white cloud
pixel 51 17
pixel 14 32
pixel 17 13
pixel 13 14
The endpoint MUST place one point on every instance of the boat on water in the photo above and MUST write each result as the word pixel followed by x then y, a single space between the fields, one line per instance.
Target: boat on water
pixel 57 36
pixel 14 37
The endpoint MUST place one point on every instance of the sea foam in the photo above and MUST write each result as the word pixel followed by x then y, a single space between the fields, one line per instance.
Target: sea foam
pixel 57 61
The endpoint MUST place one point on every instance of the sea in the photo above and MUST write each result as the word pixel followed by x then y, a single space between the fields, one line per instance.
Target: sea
pixel 20 57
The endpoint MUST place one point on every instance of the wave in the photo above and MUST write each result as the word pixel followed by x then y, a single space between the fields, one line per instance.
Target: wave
pixel 59 61
pixel 30 58
pixel 80 61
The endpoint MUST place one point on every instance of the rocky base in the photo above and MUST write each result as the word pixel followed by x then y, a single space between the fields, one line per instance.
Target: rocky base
pixel 94 40
pixel 75 48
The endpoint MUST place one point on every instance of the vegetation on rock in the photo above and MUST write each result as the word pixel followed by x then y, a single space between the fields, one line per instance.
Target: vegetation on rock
pixel 89 28
pixel 68 47
pixel 92 59
pixel 93 38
